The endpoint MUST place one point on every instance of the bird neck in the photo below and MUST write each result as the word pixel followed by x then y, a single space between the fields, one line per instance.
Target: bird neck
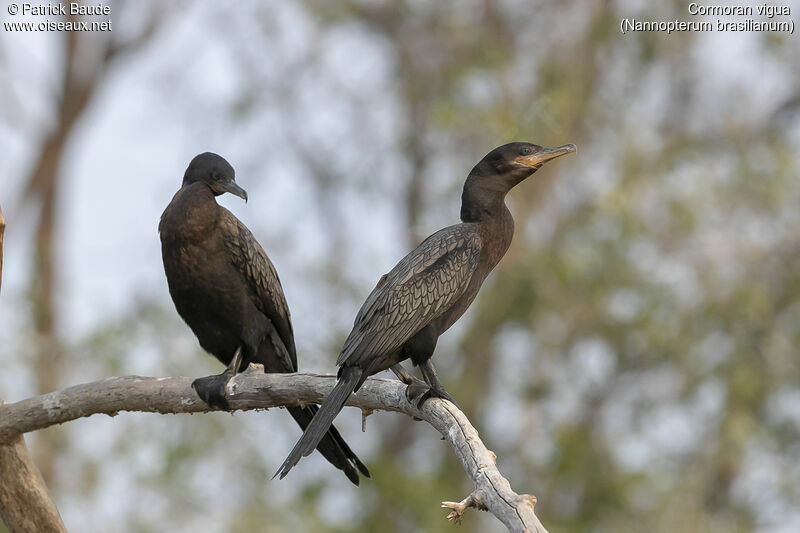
pixel 483 202
pixel 483 199
pixel 192 214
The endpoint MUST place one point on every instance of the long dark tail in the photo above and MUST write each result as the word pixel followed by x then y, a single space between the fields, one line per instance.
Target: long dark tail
pixel 332 446
pixel 321 423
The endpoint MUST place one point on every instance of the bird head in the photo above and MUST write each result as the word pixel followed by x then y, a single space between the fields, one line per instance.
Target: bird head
pixel 499 171
pixel 511 163
pixel 214 171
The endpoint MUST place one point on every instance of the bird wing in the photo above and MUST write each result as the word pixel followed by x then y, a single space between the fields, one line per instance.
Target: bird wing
pixel 423 285
pixel 252 262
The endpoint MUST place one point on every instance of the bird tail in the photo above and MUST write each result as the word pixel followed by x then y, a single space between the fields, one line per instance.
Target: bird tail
pixel 318 428
pixel 332 446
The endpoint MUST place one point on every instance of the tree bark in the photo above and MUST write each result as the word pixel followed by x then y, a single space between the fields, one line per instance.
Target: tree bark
pixel 253 389
pixel 25 504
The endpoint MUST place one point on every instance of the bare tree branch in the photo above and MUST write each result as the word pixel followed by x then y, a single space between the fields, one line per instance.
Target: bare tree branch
pixel 253 389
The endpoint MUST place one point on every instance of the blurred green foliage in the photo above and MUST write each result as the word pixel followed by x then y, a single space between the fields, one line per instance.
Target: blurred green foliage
pixel 633 361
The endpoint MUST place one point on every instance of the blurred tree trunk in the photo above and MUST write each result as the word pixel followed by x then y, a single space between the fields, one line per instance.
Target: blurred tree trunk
pixel 2 234
pixel 43 186
pixel 25 505
pixel 86 62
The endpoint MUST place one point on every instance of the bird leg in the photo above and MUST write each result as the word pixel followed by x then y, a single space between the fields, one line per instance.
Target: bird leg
pixel 436 389
pixel 416 387
pixel 211 389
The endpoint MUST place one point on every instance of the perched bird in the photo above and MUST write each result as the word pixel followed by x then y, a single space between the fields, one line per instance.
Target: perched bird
pixel 227 290
pixel 430 288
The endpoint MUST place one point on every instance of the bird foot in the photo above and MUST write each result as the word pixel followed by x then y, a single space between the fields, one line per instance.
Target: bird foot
pixel 418 393
pixel 211 389
pixel 415 391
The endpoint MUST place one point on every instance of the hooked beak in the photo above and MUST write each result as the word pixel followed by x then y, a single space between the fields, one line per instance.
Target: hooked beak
pixel 546 154
pixel 235 190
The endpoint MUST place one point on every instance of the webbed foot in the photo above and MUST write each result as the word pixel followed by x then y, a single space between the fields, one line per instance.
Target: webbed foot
pixel 211 389
pixel 418 393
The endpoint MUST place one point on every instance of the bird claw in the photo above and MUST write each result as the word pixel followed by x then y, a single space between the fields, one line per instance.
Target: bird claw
pixel 418 393
pixel 211 389
pixel 443 394
pixel 415 393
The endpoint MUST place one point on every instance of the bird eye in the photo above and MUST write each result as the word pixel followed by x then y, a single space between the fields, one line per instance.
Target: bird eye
pixel 525 150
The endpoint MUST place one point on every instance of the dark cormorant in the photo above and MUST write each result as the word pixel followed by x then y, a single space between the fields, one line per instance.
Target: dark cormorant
pixel 430 288
pixel 227 290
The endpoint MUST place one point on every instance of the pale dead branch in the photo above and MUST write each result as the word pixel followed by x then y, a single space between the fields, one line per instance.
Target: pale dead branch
pixel 255 390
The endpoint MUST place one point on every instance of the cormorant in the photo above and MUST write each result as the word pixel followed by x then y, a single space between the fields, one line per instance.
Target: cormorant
pixel 430 288
pixel 227 290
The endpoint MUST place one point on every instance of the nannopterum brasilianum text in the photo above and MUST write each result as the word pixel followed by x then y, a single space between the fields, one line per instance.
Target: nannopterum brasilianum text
pixel 430 288
pixel 227 290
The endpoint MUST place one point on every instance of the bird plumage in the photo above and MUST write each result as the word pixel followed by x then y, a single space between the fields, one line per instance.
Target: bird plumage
pixel 422 286
pixel 431 287
pixel 227 290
